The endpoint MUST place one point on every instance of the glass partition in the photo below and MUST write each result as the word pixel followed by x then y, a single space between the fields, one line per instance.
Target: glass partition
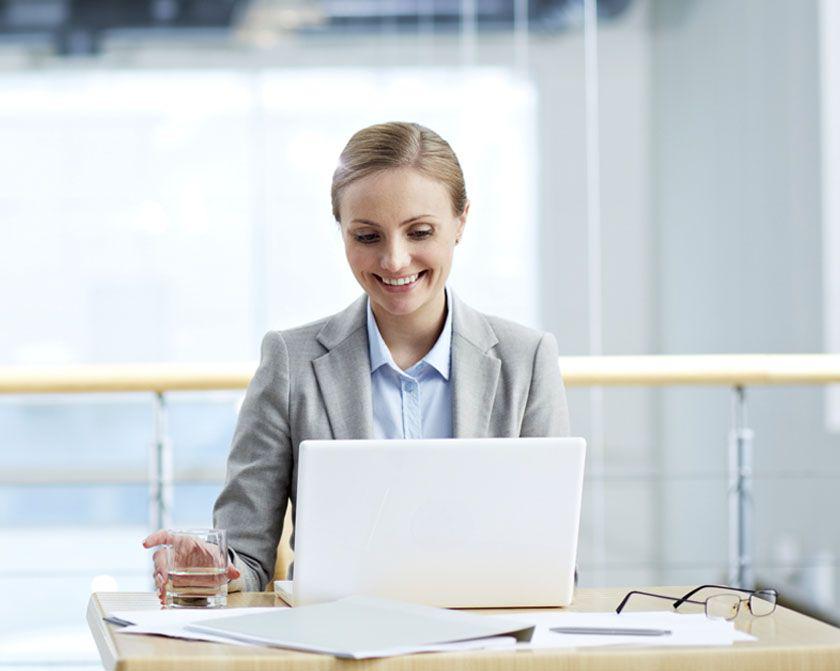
pixel 653 180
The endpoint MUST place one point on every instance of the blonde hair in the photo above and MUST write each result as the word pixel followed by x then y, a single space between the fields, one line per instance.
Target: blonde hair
pixel 399 145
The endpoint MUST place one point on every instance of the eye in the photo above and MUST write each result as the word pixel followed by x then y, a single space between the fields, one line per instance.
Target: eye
pixel 366 238
pixel 421 233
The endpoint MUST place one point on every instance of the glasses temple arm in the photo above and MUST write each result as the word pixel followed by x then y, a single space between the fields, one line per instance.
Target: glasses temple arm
pixel 657 596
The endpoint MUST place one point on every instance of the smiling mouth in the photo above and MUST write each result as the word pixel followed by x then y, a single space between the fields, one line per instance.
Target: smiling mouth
pixel 404 281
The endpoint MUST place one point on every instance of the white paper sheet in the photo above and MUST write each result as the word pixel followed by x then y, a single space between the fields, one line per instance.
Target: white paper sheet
pixel 172 623
pixel 362 627
pixel 691 630
pixel 687 630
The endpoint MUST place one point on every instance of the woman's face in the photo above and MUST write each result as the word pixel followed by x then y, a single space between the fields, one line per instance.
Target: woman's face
pixel 399 236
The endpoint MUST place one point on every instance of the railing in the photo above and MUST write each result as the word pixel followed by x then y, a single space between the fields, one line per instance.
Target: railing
pixel 737 371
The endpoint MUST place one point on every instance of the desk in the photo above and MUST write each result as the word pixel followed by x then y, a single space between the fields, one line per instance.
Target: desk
pixel 786 641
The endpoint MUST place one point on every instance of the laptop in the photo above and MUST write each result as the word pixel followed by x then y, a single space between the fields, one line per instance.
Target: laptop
pixel 457 523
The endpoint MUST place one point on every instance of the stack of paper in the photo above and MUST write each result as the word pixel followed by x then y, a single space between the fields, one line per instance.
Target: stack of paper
pixel 173 622
pixel 694 630
pixel 365 627
pixel 354 628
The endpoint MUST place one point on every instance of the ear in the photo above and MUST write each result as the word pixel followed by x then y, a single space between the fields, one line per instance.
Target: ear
pixel 462 221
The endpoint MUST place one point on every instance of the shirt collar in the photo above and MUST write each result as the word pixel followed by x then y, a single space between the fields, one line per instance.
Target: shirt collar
pixel 438 357
pixel 379 354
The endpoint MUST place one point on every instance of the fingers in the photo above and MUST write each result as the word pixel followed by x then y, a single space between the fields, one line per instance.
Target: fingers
pixel 192 550
pixel 161 574
pixel 185 551
pixel 160 583
pixel 159 559
pixel 160 537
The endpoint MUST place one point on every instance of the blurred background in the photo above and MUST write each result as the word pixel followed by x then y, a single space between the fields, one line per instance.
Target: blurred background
pixel 664 180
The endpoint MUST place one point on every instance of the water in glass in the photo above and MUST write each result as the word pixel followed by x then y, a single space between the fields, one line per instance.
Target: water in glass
pixel 196 569
pixel 197 588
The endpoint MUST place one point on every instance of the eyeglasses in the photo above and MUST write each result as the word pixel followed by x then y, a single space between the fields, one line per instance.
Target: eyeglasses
pixel 720 606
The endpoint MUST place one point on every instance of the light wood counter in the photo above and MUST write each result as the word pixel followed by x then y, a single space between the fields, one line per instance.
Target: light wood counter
pixel 653 370
pixel 786 641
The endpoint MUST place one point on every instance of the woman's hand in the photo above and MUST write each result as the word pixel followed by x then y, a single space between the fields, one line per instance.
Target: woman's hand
pixel 188 552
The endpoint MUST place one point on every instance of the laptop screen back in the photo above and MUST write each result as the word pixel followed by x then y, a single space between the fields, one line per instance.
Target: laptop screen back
pixel 454 523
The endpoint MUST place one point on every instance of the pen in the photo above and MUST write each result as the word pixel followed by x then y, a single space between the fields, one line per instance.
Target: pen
pixel 112 619
pixel 606 631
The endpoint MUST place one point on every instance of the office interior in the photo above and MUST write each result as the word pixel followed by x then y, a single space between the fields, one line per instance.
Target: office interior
pixel 659 180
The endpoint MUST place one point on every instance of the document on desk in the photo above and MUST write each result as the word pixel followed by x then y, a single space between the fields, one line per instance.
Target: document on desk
pixel 365 627
pixel 172 622
pixel 691 630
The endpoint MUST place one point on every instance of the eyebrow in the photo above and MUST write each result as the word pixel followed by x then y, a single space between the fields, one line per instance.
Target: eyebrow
pixel 373 223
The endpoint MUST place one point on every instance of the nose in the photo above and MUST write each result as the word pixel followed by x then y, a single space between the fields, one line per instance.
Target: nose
pixel 395 257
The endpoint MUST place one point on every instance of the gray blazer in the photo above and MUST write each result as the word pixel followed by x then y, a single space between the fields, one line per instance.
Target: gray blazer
pixel 313 382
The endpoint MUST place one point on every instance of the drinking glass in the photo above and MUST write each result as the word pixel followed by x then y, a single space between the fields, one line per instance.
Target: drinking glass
pixel 196 564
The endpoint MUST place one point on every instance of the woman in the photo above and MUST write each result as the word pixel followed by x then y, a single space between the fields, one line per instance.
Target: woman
pixel 406 360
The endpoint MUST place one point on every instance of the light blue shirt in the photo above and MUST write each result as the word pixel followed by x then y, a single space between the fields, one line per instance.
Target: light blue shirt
pixel 416 403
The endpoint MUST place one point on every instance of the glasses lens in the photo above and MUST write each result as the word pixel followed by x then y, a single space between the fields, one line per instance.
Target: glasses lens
pixel 762 602
pixel 723 606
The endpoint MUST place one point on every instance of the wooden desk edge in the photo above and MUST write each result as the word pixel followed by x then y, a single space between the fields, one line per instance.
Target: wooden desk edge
pixel 101 633
pixel 820 655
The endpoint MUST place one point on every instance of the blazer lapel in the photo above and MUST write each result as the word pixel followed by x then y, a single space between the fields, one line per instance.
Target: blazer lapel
pixel 475 373
pixel 343 373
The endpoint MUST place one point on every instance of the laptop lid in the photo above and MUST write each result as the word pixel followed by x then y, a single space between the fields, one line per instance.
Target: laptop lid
pixel 465 523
